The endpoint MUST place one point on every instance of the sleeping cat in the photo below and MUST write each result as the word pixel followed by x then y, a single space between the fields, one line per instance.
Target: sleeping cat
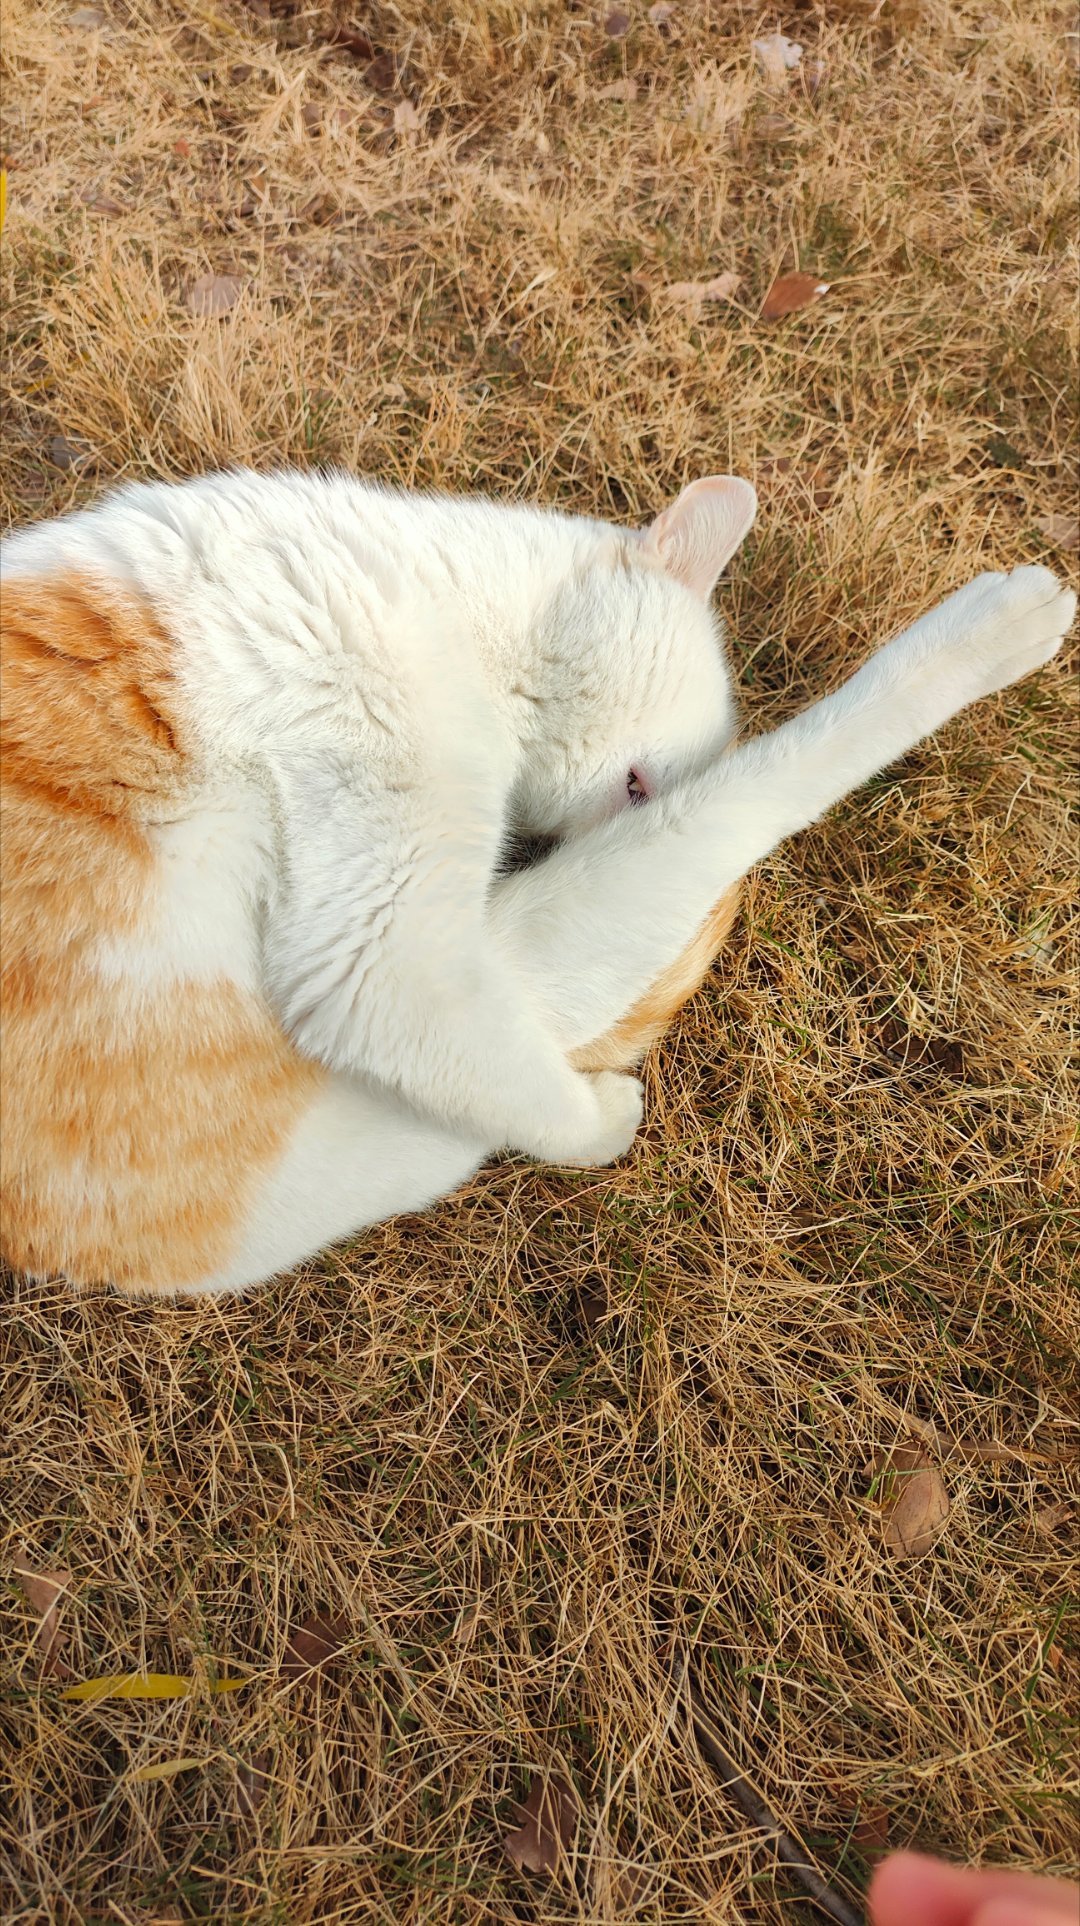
pixel 265 741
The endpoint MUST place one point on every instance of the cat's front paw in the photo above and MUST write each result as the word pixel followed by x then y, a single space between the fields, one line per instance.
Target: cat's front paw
pixel 998 629
pixel 615 1106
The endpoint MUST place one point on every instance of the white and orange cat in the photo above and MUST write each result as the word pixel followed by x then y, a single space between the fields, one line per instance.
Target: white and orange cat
pixel 265 740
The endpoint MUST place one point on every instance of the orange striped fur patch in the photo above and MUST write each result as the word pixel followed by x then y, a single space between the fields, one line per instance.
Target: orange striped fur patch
pixel 626 1043
pixel 137 1118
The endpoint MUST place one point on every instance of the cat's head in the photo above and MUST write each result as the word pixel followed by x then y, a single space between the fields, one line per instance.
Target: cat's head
pixel 636 683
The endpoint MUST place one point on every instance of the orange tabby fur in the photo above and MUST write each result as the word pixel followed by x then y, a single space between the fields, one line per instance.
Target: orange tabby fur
pixel 627 1041
pixel 154 1123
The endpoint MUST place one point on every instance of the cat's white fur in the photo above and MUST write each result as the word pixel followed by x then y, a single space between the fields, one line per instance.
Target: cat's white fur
pixel 380 687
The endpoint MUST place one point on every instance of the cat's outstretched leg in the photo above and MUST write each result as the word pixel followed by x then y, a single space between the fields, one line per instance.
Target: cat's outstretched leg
pixel 597 924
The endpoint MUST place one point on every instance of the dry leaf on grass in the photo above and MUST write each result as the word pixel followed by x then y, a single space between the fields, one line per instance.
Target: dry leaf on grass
pixel 870 1833
pixel 617 24
pixel 625 89
pixel 214 294
pixel 352 40
pixel 1050 1519
pixel 165 1769
pixel 789 293
pixel 145 1685
pixel 252 1779
pixel 549 1821
pixel 691 294
pixel 1036 943
pixel 406 119
pixel 382 74
pixel 314 1643
pixel 46 1591
pixel 1062 530
pixel 97 203
pixel 914 1501
pixel 321 210
pixel 776 55
pixel 70 455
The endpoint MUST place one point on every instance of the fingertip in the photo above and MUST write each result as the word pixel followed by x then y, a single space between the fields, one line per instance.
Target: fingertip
pixel 898 1889
pixel 1020 1912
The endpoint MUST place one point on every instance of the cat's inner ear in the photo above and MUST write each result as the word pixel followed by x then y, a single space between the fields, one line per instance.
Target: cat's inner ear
pixel 700 532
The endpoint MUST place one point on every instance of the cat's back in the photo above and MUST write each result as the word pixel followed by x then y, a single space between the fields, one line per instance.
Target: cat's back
pixel 146 1081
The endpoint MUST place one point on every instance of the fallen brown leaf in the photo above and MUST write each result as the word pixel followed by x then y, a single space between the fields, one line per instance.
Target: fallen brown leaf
pixel 871 1831
pixel 776 55
pixel 914 1501
pixel 406 119
pixel 467 1621
pixel 1062 530
pixel 383 73
pixel 97 203
pixel 791 292
pixel 321 210
pixel 617 24
pixel 625 89
pixel 252 1779
pixel 549 1821
pixel 921 1052
pixel 214 294
pixel 46 1592
pixel 352 40
pixel 314 1643
pixel 71 455
pixel 692 293
pixel 774 126
pixel 1050 1519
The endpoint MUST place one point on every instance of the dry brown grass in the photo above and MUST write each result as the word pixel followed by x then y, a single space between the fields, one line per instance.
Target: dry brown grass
pixel 534 1444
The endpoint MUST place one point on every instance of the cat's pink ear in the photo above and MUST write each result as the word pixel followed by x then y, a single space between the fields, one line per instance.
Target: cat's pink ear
pixel 700 532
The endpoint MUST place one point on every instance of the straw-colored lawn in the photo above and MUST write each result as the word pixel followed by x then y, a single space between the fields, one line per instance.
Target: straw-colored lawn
pixel 572 1440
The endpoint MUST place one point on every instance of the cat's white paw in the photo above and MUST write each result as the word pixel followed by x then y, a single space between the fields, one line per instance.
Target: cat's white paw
pixel 616 1103
pixel 997 629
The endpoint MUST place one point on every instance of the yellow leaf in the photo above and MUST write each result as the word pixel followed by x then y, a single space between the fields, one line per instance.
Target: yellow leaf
pixel 165 1769
pixel 144 1685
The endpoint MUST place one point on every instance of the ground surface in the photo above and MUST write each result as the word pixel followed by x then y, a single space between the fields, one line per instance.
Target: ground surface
pixel 572 1433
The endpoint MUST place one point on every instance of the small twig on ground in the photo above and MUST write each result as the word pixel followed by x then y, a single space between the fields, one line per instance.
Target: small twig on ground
pixel 789 1850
